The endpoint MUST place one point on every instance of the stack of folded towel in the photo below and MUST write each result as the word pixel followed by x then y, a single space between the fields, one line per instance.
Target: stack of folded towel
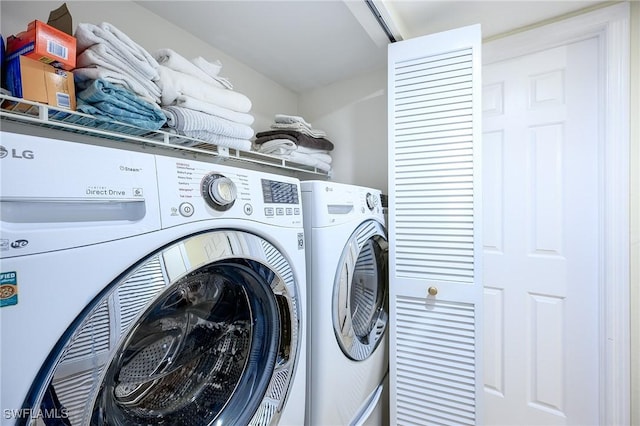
pixel 294 139
pixel 116 78
pixel 109 102
pixel 106 53
pixel 200 104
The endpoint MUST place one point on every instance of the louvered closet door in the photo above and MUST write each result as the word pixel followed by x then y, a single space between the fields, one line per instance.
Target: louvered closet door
pixel 434 223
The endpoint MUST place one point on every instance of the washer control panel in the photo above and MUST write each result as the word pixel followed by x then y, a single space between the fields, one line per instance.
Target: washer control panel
pixel 195 190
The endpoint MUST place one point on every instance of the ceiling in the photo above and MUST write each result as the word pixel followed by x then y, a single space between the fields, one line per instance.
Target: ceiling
pixel 308 44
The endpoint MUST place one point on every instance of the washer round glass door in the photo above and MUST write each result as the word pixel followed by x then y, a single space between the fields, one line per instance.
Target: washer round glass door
pixel 203 332
pixel 360 292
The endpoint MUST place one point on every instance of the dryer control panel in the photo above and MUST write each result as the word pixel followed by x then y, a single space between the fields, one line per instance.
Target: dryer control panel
pixel 193 190
pixel 336 203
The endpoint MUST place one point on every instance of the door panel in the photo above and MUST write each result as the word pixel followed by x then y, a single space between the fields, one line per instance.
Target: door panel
pixel 434 217
pixel 541 232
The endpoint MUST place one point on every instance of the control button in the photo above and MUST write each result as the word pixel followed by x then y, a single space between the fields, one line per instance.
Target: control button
pixel 268 211
pixel 289 211
pixel 248 209
pixel 296 211
pixel 279 211
pixel 186 209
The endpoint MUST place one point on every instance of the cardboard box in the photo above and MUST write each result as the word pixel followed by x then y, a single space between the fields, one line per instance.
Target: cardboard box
pixel 46 44
pixel 61 19
pixel 35 81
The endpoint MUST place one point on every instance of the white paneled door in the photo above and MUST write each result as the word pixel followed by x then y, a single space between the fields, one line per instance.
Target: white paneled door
pixel 542 191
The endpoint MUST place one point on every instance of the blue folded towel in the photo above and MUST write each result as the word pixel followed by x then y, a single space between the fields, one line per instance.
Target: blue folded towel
pixel 107 101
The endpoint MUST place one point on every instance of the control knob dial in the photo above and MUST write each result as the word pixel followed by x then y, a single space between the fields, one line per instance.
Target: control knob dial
pixel 219 191
pixel 371 201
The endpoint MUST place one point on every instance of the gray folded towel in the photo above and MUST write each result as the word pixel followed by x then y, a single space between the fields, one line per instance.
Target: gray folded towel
pixel 299 138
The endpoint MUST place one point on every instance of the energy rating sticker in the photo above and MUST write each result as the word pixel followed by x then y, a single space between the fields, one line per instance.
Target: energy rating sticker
pixel 8 289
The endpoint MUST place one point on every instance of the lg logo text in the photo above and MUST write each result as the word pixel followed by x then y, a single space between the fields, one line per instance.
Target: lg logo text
pixel 14 153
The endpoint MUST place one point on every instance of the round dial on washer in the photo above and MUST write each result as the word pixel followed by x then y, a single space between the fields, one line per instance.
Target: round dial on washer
pixel 219 191
pixel 371 201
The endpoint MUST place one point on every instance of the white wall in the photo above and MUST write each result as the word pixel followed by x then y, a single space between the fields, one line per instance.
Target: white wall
pixel 354 115
pixel 153 33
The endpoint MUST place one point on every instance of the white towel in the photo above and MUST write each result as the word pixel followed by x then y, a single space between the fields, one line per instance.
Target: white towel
pixel 82 75
pixel 99 56
pixel 124 40
pixel 212 69
pixel 307 150
pixel 198 105
pixel 308 160
pixel 277 147
pixel 177 62
pixel 213 138
pixel 325 158
pixel 184 119
pixel 300 127
pixel 119 44
pixel 290 119
pixel 174 83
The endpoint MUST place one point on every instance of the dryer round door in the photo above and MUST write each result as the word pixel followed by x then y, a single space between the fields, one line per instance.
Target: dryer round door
pixel 360 292
pixel 205 331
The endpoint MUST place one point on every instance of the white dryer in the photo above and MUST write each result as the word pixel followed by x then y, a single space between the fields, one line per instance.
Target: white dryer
pixel 347 285
pixel 147 289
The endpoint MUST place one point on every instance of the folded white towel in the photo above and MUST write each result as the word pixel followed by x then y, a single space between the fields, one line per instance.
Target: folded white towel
pixel 325 158
pixel 198 105
pixel 118 44
pixel 219 140
pixel 300 127
pixel 277 147
pixel 212 69
pixel 283 147
pixel 81 75
pixel 290 119
pixel 184 119
pixel 308 160
pixel 136 50
pixel 177 62
pixel 174 83
pixel 99 56
pixel 307 150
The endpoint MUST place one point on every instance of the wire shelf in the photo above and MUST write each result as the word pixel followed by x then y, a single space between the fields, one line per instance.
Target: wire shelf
pixel 37 114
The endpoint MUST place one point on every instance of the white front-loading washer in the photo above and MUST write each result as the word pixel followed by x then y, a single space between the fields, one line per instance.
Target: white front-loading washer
pixel 347 285
pixel 147 289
